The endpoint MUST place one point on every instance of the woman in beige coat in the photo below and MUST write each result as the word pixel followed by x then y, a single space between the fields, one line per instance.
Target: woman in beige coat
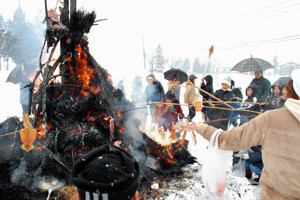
pixel 190 95
pixel 278 132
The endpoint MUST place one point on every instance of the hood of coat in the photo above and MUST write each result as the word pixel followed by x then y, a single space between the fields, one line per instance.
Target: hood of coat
pixel 209 80
pixel 254 88
pixel 293 106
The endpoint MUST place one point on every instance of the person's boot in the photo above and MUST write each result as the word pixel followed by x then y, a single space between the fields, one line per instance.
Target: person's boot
pixel 248 174
pixel 255 181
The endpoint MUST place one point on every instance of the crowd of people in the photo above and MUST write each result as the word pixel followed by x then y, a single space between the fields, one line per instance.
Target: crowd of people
pixel 271 139
pixel 263 140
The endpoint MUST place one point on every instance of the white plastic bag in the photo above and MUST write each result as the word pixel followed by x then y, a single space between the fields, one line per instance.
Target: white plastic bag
pixel 214 172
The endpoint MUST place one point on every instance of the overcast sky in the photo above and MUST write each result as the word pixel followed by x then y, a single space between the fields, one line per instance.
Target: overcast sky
pixel 185 29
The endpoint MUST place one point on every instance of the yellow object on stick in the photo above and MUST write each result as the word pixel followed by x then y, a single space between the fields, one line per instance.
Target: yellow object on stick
pixel 27 134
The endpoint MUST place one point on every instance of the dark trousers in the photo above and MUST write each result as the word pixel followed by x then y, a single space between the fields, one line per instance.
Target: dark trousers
pixel 192 113
pixel 206 112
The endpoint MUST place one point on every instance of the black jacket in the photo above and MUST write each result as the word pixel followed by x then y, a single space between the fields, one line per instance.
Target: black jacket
pixel 208 88
pixel 220 113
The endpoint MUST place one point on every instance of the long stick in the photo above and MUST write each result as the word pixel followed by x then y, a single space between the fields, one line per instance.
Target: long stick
pixel 235 102
pixel 217 120
pixel 9 133
pixel 233 109
pixel 213 96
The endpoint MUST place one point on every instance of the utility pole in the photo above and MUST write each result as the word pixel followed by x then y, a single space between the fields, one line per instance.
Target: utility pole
pixel 19 54
pixel 144 54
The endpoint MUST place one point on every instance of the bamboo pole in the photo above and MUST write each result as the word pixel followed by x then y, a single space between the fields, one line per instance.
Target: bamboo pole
pixel 252 111
pixel 223 119
pixel 9 133
pixel 235 102
pixel 233 109
pixel 213 96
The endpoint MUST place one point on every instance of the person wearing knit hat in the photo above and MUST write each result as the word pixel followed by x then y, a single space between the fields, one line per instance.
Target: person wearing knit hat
pixel 277 131
pixel 227 81
pixel 108 173
pixel 225 94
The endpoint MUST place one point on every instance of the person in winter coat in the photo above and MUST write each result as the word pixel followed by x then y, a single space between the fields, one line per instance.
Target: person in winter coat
pixel 190 96
pixel 277 131
pixel 237 97
pixel 174 84
pixel 263 86
pixel 274 99
pixel 154 92
pixel 169 113
pixel 207 85
pixel 224 94
pixel 106 172
pixel 251 92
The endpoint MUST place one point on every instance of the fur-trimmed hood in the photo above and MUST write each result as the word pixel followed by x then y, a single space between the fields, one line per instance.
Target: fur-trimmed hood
pixel 293 106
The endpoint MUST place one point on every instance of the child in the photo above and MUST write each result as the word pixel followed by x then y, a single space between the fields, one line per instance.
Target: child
pixel 251 92
pixel 274 98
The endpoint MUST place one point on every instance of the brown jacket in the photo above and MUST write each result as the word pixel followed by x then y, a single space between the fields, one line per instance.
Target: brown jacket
pixel 278 131
pixel 190 93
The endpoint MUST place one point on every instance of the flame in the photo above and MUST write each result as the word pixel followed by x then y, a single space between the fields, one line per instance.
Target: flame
pixel 85 72
pixel 167 154
pixel 41 130
pixel 78 150
pixel 41 134
pixel 39 147
pixel 122 129
pixel 31 78
pixel 119 113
